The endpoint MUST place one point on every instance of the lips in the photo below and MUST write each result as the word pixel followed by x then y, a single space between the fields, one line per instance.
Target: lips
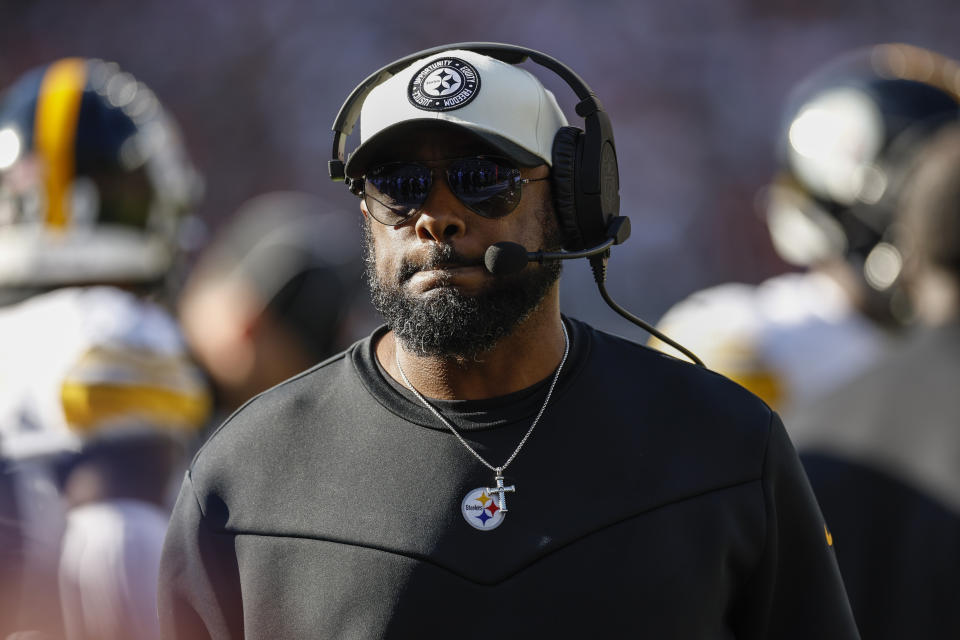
pixel 447 276
pixel 410 269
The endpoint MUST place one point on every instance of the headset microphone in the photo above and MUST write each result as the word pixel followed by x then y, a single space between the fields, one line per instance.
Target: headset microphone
pixel 505 258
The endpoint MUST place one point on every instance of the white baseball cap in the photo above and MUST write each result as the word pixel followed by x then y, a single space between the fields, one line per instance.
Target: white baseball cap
pixel 500 104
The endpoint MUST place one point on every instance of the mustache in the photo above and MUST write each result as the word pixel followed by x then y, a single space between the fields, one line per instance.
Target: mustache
pixel 441 256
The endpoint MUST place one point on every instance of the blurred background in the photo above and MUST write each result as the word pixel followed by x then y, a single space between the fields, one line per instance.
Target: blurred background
pixel 694 91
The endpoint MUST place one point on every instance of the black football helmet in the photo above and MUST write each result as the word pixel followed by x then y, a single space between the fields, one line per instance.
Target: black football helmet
pixel 94 179
pixel 849 135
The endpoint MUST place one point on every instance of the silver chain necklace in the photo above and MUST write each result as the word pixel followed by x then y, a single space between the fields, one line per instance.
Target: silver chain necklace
pixel 490 516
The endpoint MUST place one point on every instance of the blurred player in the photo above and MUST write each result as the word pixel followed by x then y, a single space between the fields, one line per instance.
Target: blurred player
pixel 883 452
pixel 272 295
pixel 97 396
pixel 850 131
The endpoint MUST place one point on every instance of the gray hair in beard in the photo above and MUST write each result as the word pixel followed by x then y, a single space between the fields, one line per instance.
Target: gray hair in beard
pixel 449 323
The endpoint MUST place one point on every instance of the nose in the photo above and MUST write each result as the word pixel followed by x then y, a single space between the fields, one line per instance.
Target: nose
pixel 442 217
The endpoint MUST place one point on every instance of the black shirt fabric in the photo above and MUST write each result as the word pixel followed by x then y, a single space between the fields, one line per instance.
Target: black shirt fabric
pixel 883 456
pixel 655 499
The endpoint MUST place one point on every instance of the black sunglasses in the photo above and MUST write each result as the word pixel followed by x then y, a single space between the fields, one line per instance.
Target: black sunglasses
pixel 487 185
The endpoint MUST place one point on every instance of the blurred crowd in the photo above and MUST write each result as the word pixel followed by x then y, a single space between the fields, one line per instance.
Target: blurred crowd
pixel 122 347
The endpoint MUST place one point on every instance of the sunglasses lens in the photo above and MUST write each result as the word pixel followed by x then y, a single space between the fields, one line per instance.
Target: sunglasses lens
pixel 393 192
pixel 490 187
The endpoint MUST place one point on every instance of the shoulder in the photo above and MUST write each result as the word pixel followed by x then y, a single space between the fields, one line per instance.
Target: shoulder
pixel 723 325
pixel 795 296
pixel 692 428
pixel 662 379
pixel 277 417
pixel 725 307
pixel 78 317
pixel 77 360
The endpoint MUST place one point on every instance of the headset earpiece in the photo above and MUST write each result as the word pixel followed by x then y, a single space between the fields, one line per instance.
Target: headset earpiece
pixel 585 180
pixel 597 183
pixel 564 185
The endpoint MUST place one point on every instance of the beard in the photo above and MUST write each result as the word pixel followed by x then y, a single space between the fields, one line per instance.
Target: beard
pixel 449 323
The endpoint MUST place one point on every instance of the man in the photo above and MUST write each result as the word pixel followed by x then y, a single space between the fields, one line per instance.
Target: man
pixel 97 395
pixel 483 465
pixel 882 451
pixel 850 131
pixel 272 295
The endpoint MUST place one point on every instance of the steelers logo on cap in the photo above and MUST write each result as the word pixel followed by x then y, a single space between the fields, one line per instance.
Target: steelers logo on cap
pixel 481 511
pixel 444 84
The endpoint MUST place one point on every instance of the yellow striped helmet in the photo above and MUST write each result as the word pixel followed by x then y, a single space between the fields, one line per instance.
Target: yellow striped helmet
pixel 94 178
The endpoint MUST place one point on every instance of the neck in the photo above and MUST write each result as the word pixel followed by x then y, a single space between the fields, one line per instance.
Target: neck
pixel 528 355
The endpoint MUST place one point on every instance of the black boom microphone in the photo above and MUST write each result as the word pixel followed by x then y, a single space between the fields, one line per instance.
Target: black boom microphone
pixel 505 258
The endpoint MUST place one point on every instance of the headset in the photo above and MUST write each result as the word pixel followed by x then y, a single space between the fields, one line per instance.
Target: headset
pixel 584 177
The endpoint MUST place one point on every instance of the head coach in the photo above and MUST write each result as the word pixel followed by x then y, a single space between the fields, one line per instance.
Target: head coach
pixel 482 465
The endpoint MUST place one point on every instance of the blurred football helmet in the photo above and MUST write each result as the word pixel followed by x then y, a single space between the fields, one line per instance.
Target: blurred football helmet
pixel 850 133
pixel 94 179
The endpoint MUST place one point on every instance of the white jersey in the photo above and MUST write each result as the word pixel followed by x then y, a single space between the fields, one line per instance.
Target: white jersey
pixel 788 339
pixel 78 364
pixel 109 570
pixel 79 361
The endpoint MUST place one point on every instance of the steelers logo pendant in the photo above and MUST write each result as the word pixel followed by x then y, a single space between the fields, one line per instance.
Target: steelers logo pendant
pixel 481 510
